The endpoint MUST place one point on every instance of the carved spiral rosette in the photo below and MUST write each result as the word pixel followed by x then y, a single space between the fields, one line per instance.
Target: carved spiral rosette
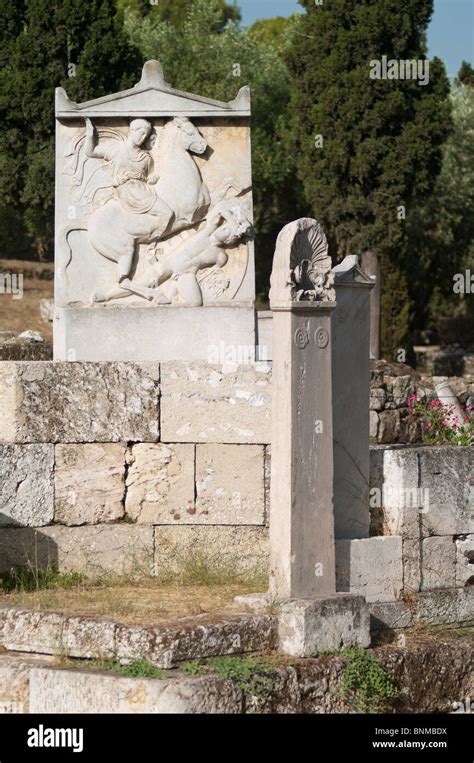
pixel 301 338
pixel 321 338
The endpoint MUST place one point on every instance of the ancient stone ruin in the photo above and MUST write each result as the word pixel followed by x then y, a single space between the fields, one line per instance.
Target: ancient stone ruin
pixel 162 430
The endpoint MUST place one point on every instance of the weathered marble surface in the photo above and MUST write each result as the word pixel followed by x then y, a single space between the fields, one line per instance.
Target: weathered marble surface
pixel 229 485
pixel 426 490
pixel 89 483
pixel 133 334
pixel 439 562
pixel 302 550
pixel 79 402
pixel 160 483
pixel 204 403
pixel 26 485
pixel 59 691
pixel 153 212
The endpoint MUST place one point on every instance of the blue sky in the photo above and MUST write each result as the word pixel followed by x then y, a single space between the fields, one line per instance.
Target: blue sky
pixel 450 36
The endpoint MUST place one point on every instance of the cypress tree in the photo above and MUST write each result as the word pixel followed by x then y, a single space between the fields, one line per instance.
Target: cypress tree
pixel 380 140
pixel 79 46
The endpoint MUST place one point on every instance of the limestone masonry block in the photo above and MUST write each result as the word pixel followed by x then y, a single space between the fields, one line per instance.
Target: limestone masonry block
pixel 448 476
pixel 401 497
pixel 61 691
pixel 79 402
pixel 41 632
pixel 230 485
pixel 424 491
pixel 26 485
pixel 88 638
pixel 454 605
pixel 238 550
pixel 204 403
pixel 448 606
pixel 160 484
pixel 438 562
pixel 306 626
pixel 378 397
pixel 465 561
pixel 119 549
pixel 402 387
pixel 389 426
pixel 370 567
pixel 412 572
pixel 201 636
pixel 14 685
pixel 89 483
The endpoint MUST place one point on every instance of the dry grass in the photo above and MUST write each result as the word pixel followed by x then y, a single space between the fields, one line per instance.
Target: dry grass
pixel 141 603
pixel 21 314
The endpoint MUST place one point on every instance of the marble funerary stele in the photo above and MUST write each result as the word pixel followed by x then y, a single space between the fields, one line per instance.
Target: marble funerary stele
pixel 153 208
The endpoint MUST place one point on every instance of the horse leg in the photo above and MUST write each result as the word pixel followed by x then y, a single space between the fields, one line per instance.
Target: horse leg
pixel 116 292
pixel 125 261
pixel 229 183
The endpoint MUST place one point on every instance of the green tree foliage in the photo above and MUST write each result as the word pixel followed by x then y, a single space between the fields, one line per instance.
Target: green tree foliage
pixel 204 60
pixel 441 230
pixel 174 11
pixel 272 31
pixel 79 46
pixel 382 138
pixel 466 74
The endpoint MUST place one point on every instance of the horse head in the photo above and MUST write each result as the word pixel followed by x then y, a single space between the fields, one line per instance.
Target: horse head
pixel 187 135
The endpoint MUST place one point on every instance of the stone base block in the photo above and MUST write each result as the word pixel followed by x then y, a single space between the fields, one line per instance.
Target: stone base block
pixel 255 603
pixel 370 567
pixel 67 691
pixel 123 333
pixel 307 626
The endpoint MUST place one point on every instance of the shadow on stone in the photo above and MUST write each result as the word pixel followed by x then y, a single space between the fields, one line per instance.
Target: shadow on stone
pixel 25 548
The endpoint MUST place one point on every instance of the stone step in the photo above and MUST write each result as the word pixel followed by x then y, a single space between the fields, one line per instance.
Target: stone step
pixel 36 684
pixel 431 675
pixel 163 646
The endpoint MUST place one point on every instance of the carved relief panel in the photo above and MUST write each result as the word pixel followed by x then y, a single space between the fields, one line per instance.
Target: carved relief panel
pixel 153 198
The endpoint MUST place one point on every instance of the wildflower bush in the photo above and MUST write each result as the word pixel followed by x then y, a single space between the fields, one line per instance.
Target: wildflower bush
pixel 441 423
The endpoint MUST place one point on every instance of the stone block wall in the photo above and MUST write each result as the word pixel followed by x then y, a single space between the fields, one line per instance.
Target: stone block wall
pixel 424 496
pixel 133 467
pixel 139 468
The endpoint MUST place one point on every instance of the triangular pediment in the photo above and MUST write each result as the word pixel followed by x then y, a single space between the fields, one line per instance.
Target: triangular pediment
pixel 349 272
pixel 152 97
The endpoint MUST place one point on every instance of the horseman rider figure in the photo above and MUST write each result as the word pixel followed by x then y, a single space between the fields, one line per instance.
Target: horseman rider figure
pixel 132 172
